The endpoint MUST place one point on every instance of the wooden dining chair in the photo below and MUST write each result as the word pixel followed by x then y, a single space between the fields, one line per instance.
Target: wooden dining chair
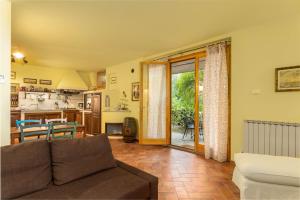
pixel 54 122
pixel 63 127
pixel 35 130
pixel 58 120
pixel 24 122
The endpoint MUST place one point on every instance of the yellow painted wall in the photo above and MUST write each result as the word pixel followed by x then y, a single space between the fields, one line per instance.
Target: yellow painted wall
pixel 5 37
pixel 47 73
pixel 124 81
pixel 256 52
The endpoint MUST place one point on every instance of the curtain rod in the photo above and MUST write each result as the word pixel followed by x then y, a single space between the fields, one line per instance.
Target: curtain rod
pixel 227 40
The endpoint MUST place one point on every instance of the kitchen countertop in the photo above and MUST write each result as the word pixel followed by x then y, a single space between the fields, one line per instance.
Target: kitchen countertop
pixel 45 110
pixel 40 111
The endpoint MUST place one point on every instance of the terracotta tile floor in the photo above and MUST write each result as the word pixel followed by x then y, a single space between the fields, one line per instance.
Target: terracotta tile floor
pixel 182 175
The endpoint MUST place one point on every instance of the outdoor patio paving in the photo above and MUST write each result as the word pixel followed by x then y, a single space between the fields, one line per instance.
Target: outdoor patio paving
pixel 186 142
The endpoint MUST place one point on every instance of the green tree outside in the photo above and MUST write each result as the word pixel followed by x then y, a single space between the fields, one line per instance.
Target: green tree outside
pixel 183 96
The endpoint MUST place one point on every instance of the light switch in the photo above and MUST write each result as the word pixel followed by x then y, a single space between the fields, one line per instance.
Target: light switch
pixel 2 78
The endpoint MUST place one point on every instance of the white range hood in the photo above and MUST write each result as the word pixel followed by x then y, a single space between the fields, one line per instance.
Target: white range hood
pixel 71 81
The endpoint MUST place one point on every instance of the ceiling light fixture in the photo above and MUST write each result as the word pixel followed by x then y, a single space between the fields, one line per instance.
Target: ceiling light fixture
pixel 18 56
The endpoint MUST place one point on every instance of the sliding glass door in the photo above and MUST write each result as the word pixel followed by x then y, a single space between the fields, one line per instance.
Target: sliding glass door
pixel 172 102
pixel 172 107
pixel 186 77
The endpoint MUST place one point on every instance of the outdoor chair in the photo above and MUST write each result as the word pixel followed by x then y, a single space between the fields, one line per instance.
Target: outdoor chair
pixel 188 125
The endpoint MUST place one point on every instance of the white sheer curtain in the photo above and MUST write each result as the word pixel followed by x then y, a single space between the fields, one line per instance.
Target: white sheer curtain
pixel 156 101
pixel 215 101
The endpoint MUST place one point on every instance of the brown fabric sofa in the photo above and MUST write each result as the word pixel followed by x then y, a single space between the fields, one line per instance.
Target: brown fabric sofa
pixel 71 169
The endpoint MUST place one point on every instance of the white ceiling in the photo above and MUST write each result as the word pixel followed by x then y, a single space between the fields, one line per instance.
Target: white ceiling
pixel 90 34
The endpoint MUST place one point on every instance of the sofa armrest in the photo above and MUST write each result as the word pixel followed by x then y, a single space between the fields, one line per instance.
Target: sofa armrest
pixel 153 180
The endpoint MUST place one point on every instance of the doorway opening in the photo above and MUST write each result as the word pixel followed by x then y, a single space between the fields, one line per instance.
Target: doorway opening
pixel 182 103
pixel 187 103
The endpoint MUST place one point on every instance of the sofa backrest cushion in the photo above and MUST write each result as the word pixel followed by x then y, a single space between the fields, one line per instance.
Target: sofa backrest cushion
pixel 74 159
pixel 280 170
pixel 25 168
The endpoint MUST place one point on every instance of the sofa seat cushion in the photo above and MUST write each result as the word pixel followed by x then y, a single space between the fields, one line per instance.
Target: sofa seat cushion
pixel 25 168
pixel 73 159
pixel 269 169
pixel 115 183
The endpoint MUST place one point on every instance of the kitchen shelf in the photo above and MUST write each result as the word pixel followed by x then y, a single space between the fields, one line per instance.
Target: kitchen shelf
pixel 34 92
pixel 116 111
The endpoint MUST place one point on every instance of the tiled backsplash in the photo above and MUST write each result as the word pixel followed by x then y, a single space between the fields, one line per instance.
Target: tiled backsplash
pixel 48 101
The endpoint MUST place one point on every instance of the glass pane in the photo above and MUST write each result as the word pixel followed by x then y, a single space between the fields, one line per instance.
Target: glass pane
pixel 201 76
pixel 183 103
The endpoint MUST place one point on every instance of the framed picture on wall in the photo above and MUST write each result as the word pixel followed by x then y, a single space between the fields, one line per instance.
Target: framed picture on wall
pixel 13 75
pixel 287 79
pixel 45 82
pixel 113 79
pixel 135 91
pixel 30 80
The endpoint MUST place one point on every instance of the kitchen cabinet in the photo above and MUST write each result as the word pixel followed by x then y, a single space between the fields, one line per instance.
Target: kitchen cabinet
pixel 14 116
pixel 87 100
pixel 96 114
pixel 73 115
pixel 79 117
pixel 70 115
pixel 96 125
pixel 92 118
pixel 54 115
pixel 87 123
pixel 43 116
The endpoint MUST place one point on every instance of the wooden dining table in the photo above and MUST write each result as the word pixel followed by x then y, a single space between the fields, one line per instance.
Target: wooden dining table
pixel 15 133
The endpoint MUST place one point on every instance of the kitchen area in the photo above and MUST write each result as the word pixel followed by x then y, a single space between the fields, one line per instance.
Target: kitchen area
pixel 99 102
pixel 47 105
pixel 68 98
pixel 60 105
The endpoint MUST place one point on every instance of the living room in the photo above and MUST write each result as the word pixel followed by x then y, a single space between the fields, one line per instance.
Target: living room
pixel 139 71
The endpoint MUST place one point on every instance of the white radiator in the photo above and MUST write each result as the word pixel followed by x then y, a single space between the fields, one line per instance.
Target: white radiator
pixel 272 138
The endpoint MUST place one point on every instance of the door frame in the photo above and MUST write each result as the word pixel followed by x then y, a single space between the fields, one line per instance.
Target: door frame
pixel 198 148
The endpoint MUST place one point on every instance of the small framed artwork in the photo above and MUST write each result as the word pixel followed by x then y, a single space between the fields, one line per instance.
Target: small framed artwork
pixel 14 87
pixel 135 91
pixel 287 79
pixel 12 75
pixel 113 79
pixel 30 80
pixel 45 82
